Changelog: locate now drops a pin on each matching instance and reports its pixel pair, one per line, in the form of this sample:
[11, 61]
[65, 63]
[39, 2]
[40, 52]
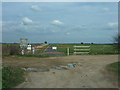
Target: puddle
[36, 69]
[66, 67]
[59, 68]
[43, 69]
[70, 65]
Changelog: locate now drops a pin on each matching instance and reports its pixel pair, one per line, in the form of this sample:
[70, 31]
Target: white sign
[54, 47]
[29, 47]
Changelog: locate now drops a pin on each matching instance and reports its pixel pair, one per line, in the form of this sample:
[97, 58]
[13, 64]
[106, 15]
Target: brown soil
[89, 71]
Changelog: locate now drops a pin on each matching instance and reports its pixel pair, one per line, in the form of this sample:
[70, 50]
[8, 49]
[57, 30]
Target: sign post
[23, 44]
[33, 50]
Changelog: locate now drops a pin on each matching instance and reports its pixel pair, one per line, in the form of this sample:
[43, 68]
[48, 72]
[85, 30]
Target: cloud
[36, 8]
[112, 24]
[57, 22]
[26, 21]
[106, 9]
[67, 33]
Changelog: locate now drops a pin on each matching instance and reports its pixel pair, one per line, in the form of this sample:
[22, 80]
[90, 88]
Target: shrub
[10, 49]
[12, 76]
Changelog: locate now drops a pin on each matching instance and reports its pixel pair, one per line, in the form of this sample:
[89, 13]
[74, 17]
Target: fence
[94, 49]
[81, 49]
[52, 51]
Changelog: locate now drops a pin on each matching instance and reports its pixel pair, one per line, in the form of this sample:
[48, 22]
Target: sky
[60, 22]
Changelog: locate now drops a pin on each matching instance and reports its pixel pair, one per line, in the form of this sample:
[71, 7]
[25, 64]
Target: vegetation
[95, 49]
[12, 76]
[45, 42]
[39, 56]
[117, 44]
[114, 67]
[10, 49]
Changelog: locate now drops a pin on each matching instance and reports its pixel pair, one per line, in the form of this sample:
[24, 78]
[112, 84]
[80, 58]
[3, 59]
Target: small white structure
[54, 48]
[29, 47]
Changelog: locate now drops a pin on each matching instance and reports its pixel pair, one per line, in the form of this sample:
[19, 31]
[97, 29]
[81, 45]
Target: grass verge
[12, 76]
[114, 67]
[39, 56]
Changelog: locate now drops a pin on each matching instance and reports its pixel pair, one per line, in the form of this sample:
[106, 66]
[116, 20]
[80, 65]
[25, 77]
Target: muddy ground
[89, 71]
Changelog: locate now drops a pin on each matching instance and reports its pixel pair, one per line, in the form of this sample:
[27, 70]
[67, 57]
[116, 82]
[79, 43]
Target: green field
[95, 49]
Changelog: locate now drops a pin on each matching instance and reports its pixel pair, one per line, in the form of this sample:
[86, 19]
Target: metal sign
[23, 42]
[29, 47]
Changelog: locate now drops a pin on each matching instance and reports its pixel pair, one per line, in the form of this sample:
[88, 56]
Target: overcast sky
[60, 22]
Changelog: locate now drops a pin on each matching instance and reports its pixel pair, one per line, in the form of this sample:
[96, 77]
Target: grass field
[94, 48]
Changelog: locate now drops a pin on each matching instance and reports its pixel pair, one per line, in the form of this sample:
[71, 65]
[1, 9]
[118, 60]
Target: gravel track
[89, 71]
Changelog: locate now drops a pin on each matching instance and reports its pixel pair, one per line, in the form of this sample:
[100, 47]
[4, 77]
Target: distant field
[94, 48]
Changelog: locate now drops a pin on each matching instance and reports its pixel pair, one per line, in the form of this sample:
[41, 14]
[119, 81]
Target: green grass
[95, 49]
[12, 76]
[114, 67]
[38, 56]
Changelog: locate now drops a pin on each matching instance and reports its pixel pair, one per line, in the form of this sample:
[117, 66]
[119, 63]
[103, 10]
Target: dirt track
[89, 71]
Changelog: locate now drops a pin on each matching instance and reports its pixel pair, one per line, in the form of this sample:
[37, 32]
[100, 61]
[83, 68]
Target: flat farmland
[89, 71]
[95, 49]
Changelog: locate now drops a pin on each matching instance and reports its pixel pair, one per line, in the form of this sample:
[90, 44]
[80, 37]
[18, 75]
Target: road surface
[89, 71]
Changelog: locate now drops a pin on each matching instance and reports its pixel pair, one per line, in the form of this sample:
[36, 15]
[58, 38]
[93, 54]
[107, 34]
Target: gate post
[68, 51]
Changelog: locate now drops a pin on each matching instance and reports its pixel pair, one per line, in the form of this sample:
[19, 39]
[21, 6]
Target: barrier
[81, 49]
[68, 51]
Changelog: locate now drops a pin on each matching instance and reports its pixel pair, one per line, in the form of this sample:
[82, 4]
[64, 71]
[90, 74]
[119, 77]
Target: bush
[14, 50]
[12, 76]
[10, 49]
